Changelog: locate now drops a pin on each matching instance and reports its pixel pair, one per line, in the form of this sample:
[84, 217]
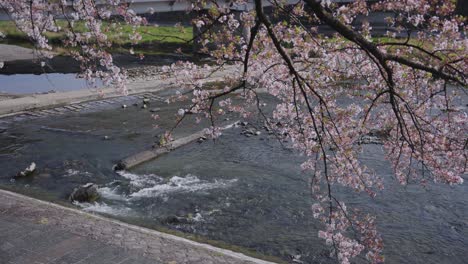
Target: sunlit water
[41, 83]
[244, 191]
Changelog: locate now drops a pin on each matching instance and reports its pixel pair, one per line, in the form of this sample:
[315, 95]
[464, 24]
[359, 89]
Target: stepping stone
[68, 107]
[86, 105]
[76, 106]
[35, 114]
[59, 111]
[74, 109]
[44, 113]
[49, 112]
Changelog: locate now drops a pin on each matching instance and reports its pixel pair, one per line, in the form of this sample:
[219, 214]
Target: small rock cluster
[144, 105]
[144, 73]
[249, 130]
[84, 193]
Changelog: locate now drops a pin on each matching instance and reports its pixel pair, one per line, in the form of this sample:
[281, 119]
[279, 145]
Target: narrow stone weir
[153, 153]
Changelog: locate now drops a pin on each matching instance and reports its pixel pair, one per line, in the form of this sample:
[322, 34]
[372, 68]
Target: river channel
[244, 191]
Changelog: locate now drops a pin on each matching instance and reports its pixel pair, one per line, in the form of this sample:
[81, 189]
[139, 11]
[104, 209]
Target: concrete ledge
[153, 245]
[150, 154]
[43, 101]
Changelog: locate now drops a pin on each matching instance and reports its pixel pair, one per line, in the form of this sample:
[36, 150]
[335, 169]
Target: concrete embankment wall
[55, 232]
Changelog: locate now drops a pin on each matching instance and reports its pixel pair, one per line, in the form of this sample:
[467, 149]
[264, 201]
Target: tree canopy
[403, 85]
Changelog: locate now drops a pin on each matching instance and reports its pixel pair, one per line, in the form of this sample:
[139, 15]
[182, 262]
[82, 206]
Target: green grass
[155, 40]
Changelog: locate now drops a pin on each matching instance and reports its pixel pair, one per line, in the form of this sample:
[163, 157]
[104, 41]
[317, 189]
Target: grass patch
[155, 39]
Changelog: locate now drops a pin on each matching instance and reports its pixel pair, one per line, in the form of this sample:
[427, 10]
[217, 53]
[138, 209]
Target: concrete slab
[43, 232]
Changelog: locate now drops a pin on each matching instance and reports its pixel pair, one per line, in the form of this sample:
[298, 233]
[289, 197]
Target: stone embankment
[34, 231]
[145, 80]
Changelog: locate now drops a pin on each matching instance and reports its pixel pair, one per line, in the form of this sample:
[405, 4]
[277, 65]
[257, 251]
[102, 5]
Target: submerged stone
[27, 172]
[175, 220]
[85, 193]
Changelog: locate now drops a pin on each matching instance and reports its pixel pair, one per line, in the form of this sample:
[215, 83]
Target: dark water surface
[246, 191]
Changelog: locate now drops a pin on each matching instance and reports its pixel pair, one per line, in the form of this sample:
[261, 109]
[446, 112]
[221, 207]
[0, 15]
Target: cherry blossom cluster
[37, 18]
[332, 91]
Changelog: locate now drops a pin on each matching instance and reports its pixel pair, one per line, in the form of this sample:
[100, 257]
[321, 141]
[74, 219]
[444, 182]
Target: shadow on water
[59, 74]
[66, 64]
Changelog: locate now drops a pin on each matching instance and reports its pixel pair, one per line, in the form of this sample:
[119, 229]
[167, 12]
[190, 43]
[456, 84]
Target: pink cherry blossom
[331, 90]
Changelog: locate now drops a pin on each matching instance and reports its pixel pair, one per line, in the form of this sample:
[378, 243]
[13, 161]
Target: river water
[244, 191]
[41, 83]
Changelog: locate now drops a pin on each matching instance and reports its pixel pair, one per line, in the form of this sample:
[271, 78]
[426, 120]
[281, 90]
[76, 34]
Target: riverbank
[155, 39]
[21, 60]
[142, 80]
[33, 230]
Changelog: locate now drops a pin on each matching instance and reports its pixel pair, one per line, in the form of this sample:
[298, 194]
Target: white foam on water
[198, 218]
[141, 181]
[104, 208]
[176, 184]
[112, 194]
[72, 172]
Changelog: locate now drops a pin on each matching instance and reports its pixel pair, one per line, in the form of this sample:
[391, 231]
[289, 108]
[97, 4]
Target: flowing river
[243, 191]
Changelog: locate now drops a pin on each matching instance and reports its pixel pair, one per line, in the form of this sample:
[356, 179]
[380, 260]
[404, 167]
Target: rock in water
[27, 172]
[175, 220]
[85, 193]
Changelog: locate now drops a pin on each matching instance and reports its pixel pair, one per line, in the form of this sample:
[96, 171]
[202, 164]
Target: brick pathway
[37, 232]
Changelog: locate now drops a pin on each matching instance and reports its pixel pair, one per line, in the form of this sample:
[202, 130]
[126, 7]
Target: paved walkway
[38, 232]
[13, 52]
